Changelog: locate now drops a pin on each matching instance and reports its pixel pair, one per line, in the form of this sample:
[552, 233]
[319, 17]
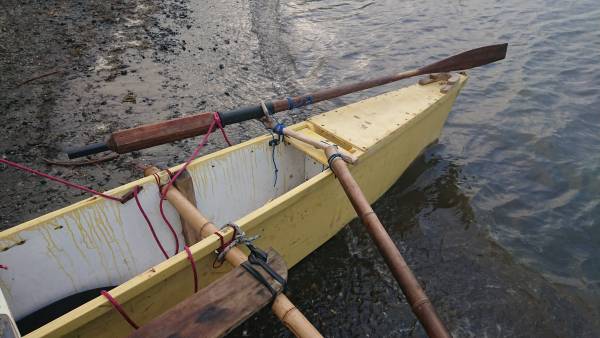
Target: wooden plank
[219, 308]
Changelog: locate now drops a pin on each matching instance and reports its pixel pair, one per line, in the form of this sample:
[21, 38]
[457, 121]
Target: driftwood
[81, 163]
[38, 77]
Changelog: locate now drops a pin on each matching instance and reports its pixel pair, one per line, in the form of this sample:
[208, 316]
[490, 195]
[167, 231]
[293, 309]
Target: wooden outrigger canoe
[99, 243]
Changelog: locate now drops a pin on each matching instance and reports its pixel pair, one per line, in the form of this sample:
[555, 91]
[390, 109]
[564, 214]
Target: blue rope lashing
[278, 129]
[309, 100]
[273, 143]
[304, 101]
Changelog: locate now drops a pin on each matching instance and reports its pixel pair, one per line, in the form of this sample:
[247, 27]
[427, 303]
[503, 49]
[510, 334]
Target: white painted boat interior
[8, 327]
[99, 243]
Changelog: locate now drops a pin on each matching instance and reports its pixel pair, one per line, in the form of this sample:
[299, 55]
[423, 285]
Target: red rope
[217, 119]
[119, 308]
[58, 179]
[222, 241]
[216, 122]
[193, 263]
[222, 247]
[137, 200]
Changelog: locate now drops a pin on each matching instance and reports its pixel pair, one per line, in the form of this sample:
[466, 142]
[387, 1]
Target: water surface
[500, 218]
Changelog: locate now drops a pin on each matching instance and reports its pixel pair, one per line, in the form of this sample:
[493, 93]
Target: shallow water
[498, 219]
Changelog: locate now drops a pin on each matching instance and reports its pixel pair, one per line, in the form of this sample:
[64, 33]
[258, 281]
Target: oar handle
[150, 135]
[88, 150]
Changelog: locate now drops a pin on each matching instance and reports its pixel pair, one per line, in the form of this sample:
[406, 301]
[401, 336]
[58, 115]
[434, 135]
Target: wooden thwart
[219, 308]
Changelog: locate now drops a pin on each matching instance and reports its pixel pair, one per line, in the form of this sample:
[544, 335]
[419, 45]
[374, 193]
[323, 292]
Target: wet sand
[113, 66]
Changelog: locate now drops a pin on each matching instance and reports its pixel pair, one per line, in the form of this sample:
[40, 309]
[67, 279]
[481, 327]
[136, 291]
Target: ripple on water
[523, 137]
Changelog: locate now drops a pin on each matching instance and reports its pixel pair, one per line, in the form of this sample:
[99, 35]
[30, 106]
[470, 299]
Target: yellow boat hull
[386, 132]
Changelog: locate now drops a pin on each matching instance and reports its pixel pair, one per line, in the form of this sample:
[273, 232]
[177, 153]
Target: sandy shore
[72, 72]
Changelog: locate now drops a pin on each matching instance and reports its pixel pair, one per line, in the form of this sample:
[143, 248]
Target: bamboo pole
[420, 304]
[282, 307]
[346, 156]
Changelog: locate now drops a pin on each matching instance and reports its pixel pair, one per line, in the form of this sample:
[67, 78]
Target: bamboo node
[286, 313]
[420, 302]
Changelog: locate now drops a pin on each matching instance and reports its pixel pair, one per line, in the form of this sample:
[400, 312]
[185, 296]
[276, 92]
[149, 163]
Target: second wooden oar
[415, 295]
[154, 134]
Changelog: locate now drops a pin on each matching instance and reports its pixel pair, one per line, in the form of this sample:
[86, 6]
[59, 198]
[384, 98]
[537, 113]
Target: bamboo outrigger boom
[282, 307]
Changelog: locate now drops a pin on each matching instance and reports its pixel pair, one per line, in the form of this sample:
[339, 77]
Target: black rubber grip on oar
[245, 114]
[88, 150]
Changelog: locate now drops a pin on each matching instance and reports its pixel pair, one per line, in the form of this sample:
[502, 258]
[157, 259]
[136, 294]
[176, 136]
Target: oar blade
[469, 59]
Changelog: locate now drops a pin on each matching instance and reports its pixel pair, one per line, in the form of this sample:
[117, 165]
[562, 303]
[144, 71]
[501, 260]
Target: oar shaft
[411, 288]
[331, 93]
[283, 308]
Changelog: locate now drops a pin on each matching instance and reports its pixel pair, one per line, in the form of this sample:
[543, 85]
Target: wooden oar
[415, 295]
[282, 307]
[150, 135]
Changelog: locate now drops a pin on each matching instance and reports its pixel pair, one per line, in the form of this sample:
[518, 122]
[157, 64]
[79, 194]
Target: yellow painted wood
[294, 224]
[365, 123]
